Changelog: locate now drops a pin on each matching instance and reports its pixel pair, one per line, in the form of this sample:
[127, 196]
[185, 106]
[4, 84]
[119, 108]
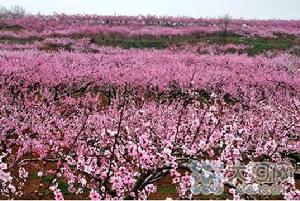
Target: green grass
[144, 42]
[53, 47]
[62, 185]
[16, 40]
[34, 176]
[218, 38]
[47, 178]
[224, 195]
[167, 189]
[204, 96]
[258, 44]
[14, 27]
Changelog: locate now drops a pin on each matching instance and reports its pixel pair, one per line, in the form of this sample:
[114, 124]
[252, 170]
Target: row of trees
[14, 12]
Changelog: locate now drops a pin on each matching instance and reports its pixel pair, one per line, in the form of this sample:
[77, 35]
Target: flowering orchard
[149, 25]
[114, 123]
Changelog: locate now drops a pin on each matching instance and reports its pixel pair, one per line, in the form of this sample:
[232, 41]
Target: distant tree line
[14, 12]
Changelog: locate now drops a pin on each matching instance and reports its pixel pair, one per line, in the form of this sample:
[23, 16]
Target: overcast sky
[248, 9]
